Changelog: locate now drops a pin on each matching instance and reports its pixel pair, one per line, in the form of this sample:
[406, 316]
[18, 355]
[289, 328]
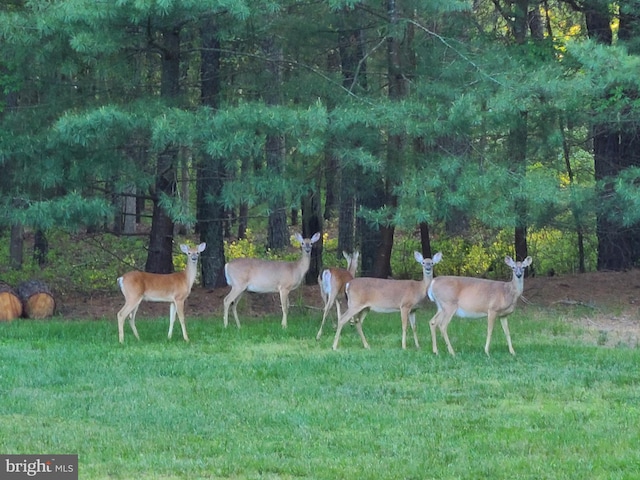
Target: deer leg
[412, 321]
[129, 310]
[327, 307]
[505, 327]
[227, 302]
[231, 300]
[132, 321]
[172, 318]
[491, 318]
[444, 324]
[235, 308]
[403, 316]
[338, 308]
[359, 321]
[341, 322]
[284, 301]
[433, 325]
[183, 326]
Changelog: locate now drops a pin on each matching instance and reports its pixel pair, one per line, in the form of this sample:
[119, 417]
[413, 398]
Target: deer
[266, 276]
[332, 282]
[173, 288]
[387, 295]
[476, 298]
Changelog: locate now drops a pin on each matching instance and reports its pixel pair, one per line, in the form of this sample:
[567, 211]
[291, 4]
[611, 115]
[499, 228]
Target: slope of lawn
[262, 402]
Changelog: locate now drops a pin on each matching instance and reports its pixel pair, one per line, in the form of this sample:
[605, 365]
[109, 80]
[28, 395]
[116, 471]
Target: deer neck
[516, 286]
[427, 277]
[190, 272]
[304, 262]
[353, 266]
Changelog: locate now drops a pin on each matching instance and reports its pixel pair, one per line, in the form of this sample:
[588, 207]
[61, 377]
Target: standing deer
[384, 295]
[266, 276]
[158, 287]
[476, 298]
[332, 282]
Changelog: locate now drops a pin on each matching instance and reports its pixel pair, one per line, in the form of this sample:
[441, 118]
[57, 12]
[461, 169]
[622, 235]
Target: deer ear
[509, 261]
[418, 256]
[316, 237]
[527, 261]
[201, 247]
[299, 238]
[437, 257]
[184, 248]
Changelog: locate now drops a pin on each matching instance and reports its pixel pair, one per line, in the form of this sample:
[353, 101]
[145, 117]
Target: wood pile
[10, 303]
[37, 300]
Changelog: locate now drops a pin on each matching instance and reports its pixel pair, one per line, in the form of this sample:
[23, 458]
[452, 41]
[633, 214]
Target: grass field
[261, 402]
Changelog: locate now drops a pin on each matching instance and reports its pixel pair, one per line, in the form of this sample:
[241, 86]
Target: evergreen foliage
[83, 118]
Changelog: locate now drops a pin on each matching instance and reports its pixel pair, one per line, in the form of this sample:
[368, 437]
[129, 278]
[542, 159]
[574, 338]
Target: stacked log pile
[37, 300]
[10, 303]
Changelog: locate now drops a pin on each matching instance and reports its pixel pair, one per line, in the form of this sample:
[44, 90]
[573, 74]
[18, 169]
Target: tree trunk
[425, 240]
[332, 183]
[614, 150]
[129, 210]
[618, 247]
[517, 141]
[275, 154]
[347, 218]
[566, 149]
[16, 247]
[397, 80]
[331, 162]
[160, 255]
[351, 45]
[518, 155]
[370, 241]
[184, 186]
[312, 223]
[211, 171]
[40, 248]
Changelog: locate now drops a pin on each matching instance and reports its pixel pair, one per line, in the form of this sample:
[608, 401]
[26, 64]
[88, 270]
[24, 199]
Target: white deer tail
[325, 284]
[121, 284]
[430, 292]
[226, 275]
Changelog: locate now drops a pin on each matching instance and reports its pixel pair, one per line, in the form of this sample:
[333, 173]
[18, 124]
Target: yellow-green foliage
[95, 262]
[179, 262]
[241, 248]
[461, 256]
[92, 264]
[248, 248]
[556, 251]
[331, 256]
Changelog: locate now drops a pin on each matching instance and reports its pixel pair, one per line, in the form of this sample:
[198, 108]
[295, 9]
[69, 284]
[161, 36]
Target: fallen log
[37, 300]
[10, 303]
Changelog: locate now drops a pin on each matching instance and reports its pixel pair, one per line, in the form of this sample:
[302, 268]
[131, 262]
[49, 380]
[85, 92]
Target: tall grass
[261, 402]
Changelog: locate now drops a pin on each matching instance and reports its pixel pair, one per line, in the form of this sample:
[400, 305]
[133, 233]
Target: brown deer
[332, 282]
[385, 295]
[158, 287]
[476, 298]
[266, 276]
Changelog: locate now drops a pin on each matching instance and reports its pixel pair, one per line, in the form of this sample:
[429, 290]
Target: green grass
[261, 402]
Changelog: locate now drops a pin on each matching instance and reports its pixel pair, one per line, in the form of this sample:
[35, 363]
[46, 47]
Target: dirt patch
[605, 304]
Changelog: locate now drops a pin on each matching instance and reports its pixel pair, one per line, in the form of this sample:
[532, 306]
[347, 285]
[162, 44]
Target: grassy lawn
[261, 402]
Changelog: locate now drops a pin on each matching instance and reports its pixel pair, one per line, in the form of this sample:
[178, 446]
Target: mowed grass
[261, 402]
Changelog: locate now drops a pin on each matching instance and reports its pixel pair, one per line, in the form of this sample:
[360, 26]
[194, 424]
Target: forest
[477, 123]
